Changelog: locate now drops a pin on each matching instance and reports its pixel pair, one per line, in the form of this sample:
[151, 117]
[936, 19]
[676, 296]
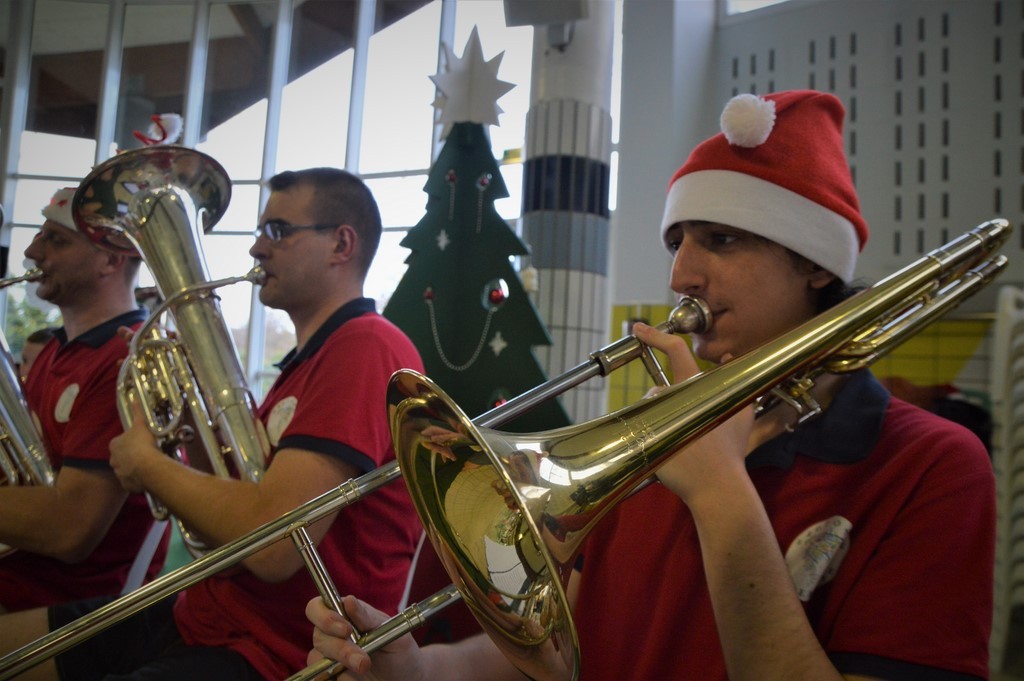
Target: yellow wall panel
[936, 355]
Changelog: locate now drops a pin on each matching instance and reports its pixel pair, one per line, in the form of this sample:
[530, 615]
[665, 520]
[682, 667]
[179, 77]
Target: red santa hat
[59, 208]
[778, 170]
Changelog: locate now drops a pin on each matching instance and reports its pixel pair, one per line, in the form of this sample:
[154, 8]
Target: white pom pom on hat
[59, 208]
[778, 170]
[747, 120]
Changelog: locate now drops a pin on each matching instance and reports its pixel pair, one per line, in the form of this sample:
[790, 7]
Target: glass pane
[228, 256]
[67, 65]
[401, 200]
[47, 154]
[517, 44]
[316, 100]
[387, 269]
[243, 211]
[512, 207]
[237, 75]
[321, 30]
[314, 117]
[237, 143]
[399, 112]
[156, 50]
[280, 338]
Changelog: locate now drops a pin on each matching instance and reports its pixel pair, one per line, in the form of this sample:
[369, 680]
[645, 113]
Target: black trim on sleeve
[327, 447]
[893, 670]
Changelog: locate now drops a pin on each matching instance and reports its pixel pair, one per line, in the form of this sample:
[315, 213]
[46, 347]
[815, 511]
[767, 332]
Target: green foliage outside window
[22, 319]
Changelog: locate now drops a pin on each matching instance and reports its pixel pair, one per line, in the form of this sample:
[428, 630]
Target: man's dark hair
[833, 293]
[339, 197]
[836, 292]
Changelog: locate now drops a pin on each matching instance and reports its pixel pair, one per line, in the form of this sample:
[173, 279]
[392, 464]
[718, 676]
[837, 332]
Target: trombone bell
[478, 503]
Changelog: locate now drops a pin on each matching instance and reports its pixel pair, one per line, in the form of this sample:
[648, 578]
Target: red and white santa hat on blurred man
[778, 170]
[59, 208]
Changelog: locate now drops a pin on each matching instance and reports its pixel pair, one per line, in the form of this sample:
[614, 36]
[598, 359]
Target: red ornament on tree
[495, 293]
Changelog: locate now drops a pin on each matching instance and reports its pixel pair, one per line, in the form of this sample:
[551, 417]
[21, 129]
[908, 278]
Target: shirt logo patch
[280, 417]
[62, 412]
[815, 555]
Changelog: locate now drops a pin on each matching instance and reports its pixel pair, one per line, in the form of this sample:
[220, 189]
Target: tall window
[94, 79]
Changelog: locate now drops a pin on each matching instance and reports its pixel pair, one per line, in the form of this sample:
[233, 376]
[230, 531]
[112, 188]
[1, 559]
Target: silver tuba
[190, 384]
[23, 457]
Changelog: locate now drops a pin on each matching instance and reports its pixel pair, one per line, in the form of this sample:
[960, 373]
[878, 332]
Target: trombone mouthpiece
[691, 315]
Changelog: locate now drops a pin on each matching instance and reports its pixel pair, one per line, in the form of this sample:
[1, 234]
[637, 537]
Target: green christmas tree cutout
[461, 301]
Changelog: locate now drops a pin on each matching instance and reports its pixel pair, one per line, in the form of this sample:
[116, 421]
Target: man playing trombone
[326, 422]
[857, 544]
[78, 538]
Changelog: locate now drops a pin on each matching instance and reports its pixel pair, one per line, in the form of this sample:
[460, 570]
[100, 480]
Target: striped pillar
[565, 197]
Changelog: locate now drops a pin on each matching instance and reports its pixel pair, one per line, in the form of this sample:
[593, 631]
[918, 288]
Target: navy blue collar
[350, 310]
[845, 433]
[98, 335]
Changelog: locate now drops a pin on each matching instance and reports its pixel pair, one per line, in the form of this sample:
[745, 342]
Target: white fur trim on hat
[59, 208]
[783, 216]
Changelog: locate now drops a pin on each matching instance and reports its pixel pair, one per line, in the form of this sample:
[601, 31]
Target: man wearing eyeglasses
[326, 420]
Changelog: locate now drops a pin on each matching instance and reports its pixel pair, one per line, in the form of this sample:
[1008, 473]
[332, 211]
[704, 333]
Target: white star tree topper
[469, 86]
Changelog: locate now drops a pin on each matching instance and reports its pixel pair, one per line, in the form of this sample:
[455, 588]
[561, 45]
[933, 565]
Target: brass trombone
[580, 471]
[563, 481]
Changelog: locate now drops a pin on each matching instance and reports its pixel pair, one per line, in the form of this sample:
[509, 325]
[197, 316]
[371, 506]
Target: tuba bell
[153, 201]
[23, 457]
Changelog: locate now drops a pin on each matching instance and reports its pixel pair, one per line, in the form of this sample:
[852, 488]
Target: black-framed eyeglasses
[275, 230]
